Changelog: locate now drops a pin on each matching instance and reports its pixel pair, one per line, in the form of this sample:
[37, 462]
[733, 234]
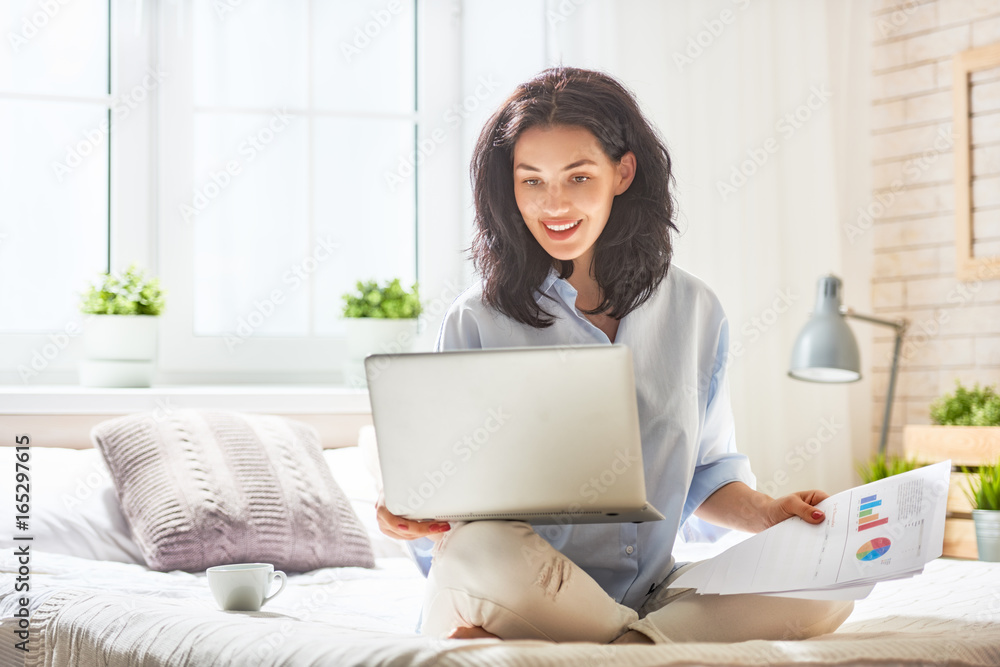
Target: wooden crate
[966, 446]
[958, 502]
[960, 538]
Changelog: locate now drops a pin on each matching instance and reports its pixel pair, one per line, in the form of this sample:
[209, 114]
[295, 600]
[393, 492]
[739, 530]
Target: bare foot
[475, 632]
[633, 637]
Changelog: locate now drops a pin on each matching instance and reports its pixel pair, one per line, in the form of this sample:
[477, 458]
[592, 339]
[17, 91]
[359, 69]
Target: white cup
[243, 586]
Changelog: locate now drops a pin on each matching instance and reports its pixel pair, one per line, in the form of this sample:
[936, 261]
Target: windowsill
[275, 399]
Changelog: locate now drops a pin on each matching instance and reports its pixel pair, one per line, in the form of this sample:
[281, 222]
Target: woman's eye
[581, 179]
[531, 181]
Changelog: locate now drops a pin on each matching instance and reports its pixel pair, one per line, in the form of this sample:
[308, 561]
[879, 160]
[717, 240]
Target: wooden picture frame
[967, 267]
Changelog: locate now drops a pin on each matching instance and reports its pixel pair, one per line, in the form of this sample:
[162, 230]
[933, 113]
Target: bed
[94, 602]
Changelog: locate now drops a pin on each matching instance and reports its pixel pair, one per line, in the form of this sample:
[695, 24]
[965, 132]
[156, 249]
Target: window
[54, 138]
[258, 157]
[292, 171]
[75, 157]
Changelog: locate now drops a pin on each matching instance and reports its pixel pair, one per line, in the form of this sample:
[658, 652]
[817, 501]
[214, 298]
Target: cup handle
[280, 575]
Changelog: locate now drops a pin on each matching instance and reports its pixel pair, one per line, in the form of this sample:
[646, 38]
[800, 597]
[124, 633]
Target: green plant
[975, 407]
[881, 466]
[984, 490]
[128, 293]
[391, 301]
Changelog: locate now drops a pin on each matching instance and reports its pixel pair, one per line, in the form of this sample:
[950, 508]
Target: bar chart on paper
[886, 529]
[868, 516]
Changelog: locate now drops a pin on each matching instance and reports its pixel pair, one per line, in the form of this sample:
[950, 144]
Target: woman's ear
[626, 172]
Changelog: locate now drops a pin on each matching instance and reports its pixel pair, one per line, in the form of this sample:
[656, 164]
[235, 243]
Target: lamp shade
[825, 350]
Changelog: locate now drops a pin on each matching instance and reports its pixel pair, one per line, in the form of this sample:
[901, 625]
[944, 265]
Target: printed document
[888, 529]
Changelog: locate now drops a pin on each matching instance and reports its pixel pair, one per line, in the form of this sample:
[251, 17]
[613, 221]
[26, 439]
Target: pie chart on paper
[874, 549]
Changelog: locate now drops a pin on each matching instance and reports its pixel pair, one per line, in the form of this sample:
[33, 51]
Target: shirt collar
[561, 287]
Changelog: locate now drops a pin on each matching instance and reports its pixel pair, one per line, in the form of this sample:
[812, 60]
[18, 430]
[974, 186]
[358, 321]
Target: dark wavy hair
[632, 254]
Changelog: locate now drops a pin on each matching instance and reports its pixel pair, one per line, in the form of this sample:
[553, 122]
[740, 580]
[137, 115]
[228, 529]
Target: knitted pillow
[209, 488]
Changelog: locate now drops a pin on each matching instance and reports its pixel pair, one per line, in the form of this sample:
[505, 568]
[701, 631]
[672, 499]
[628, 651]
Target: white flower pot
[373, 335]
[988, 534]
[119, 351]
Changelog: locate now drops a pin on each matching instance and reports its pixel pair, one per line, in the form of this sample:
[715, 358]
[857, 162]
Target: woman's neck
[588, 291]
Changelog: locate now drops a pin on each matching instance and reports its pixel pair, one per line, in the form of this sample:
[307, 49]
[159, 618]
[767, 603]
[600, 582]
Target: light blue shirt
[679, 340]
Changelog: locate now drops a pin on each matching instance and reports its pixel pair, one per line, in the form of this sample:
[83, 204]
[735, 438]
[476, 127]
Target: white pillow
[352, 473]
[73, 507]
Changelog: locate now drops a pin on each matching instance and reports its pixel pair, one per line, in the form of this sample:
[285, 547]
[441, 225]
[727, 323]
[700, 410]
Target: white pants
[503, 577]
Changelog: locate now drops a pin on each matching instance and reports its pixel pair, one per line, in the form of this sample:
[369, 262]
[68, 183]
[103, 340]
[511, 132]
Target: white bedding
[92, 613]
[113, 611]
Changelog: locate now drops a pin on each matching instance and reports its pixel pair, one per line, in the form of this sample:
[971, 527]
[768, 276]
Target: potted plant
[966, 429]
[378, 319]
[983, 492]
[881, 466]
[120, 335]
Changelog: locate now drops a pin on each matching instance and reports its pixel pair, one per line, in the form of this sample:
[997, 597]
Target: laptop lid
[542, 434]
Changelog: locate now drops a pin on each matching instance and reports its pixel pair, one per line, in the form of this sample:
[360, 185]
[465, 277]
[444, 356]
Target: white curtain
[764, 106]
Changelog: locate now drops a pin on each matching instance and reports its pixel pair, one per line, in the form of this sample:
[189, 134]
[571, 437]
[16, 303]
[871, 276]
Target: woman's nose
[554, 201]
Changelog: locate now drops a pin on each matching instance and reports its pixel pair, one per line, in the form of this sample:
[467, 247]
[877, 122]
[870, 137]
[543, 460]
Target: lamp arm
[900, 327]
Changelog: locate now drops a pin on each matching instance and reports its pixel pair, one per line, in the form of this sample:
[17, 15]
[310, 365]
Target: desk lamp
[826, 351]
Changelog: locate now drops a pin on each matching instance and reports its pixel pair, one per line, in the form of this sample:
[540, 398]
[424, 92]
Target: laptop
[539, 434]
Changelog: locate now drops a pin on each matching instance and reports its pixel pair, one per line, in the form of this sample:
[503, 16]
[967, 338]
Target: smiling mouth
[562, 227]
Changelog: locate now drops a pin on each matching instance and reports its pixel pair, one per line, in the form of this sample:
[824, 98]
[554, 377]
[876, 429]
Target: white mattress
[93, 613]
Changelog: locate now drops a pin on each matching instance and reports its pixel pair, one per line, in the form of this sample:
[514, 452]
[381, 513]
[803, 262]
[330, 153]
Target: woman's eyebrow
[576, 164]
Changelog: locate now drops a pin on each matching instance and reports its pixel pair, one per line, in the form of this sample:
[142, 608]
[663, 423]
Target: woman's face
[564, 185]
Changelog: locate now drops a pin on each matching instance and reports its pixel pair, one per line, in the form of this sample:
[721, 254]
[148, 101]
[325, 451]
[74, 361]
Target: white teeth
[559, 228]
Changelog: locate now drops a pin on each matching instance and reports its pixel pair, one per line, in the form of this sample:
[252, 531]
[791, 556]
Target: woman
[574, 214]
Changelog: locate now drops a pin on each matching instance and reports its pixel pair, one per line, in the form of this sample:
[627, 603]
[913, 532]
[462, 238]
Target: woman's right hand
[407, 529]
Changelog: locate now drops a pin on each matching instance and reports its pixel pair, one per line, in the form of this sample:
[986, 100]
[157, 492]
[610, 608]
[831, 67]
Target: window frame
[53, 356]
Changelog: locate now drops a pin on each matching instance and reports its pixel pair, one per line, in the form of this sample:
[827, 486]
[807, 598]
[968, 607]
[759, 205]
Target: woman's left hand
[736, 505]
[801, 504]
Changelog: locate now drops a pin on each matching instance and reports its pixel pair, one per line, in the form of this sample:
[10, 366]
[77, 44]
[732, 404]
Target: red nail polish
[402, 526]
[817, 514]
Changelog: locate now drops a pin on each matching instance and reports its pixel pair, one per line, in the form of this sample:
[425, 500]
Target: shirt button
[629, 549]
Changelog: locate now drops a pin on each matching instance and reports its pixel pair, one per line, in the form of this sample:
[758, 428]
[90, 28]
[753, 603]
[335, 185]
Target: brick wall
[954, 326]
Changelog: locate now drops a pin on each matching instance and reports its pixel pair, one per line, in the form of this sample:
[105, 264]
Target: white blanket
[94, 613]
